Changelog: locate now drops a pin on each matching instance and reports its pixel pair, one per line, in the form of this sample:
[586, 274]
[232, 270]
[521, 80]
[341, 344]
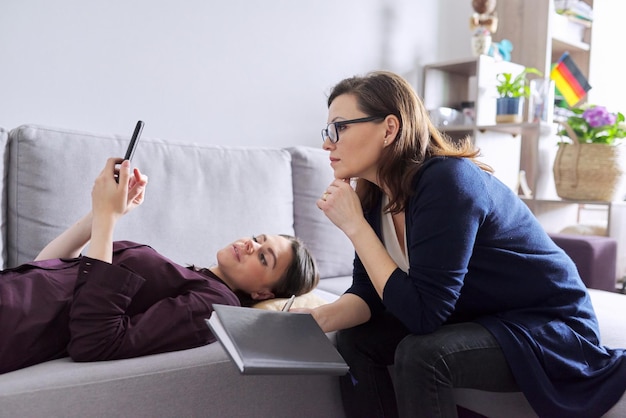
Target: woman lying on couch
[123, 299]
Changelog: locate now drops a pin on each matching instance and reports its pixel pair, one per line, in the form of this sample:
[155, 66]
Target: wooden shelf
[540, 37]
[560, 45]
[456, 128]
[506, 128]
[461, 67]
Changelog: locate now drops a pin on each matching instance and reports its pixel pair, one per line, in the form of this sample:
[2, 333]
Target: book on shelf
[274, 342]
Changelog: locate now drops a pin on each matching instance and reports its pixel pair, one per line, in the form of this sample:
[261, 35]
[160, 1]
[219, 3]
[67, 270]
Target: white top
[390, 240]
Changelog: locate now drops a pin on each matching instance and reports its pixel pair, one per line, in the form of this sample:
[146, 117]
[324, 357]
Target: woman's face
[360, 145]
[254, 265]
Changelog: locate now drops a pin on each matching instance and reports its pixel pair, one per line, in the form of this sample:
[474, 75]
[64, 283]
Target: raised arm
[72, 241]
[110, 200]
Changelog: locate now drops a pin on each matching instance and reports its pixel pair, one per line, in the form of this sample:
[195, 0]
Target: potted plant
[591, 165]
[512, 91]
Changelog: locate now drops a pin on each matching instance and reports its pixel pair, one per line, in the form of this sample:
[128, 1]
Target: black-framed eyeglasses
[332, 129]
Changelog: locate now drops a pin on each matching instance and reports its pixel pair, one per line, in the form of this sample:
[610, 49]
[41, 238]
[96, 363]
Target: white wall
[606, 73]
[237, 72]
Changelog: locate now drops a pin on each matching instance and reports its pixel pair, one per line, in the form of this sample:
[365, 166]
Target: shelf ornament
[483, 23]
[484, 16]
[569, 80]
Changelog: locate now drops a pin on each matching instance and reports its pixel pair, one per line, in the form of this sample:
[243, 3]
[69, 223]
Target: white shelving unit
[448, 84]
[540, 37]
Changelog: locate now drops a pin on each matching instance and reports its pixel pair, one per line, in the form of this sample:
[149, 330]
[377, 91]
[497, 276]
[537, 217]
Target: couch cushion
[311, 176]
[190, 383]
[336, 285]
[218, 193]
[610, 308]
[4, 166]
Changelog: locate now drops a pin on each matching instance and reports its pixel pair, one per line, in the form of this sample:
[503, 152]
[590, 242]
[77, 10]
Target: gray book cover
[274, 342]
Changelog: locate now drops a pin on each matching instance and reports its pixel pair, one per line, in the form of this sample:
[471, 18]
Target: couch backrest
[4, 166]
[311, 176]
[199, 198]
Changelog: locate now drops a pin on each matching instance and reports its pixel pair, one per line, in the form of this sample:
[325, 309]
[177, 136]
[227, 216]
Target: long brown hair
[385, 93]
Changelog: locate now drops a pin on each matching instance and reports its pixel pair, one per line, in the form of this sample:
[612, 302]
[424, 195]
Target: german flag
[569, 80]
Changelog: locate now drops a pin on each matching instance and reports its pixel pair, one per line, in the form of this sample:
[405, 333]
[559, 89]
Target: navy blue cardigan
[477, 253]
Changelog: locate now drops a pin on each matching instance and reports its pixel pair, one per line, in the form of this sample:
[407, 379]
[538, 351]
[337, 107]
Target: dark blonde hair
[383, 93]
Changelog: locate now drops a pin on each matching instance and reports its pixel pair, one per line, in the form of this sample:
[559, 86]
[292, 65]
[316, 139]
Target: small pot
[509, 109]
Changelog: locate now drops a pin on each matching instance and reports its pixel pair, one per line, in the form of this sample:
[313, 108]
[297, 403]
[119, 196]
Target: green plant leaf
[607, 134]
[508, 86]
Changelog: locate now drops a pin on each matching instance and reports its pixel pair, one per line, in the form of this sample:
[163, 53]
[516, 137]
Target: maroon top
[142, 303]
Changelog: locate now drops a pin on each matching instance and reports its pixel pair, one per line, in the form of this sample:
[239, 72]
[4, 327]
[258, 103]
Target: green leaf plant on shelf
[512, 91]
[509, 86]
[593, 164]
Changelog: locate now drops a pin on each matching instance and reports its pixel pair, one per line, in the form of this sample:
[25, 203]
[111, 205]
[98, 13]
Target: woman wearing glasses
[454, 279]
[123, 299]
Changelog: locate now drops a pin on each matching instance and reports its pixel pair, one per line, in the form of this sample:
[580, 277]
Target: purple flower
[598, 116]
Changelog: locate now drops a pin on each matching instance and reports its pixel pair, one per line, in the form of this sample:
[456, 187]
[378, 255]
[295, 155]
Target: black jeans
[426, 369]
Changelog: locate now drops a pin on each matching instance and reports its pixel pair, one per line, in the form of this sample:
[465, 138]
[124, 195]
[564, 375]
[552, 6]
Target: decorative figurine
[483, 23]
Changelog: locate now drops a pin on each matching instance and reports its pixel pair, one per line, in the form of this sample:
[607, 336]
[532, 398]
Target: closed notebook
[274, 342]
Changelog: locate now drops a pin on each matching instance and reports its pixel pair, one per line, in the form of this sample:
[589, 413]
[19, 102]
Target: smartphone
[130, 151]
[133, 141]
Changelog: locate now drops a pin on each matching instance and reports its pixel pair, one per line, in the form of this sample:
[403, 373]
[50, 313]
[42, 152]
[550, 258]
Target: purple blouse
[142, 303]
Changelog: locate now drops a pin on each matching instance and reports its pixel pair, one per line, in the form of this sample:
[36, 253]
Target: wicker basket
[589, 171]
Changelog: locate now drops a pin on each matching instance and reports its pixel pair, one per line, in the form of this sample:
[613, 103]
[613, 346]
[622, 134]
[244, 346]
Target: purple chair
[595, 257]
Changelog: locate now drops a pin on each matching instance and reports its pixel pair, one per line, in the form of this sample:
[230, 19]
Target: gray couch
[199, 198]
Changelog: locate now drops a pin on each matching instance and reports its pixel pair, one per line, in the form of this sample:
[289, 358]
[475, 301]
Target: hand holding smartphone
[130, 151]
